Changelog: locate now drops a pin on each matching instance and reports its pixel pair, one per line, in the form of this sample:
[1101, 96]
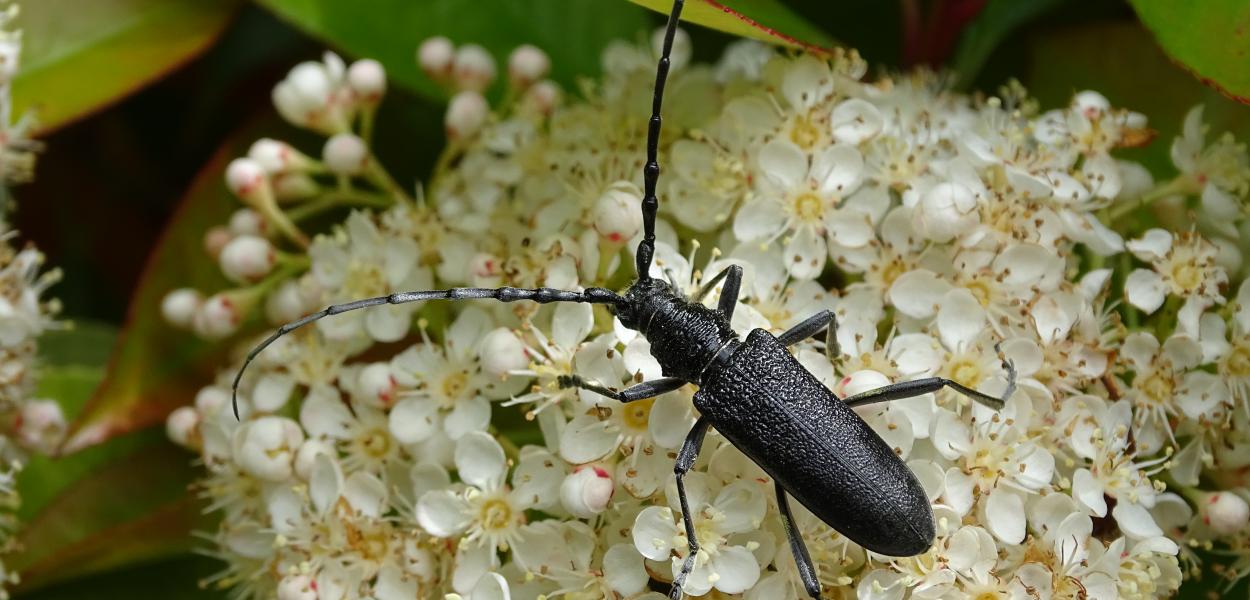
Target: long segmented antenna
[503, 294]
[651, 171]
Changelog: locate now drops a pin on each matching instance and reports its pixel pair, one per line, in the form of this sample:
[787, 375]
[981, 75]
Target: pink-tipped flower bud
[247, 179]
[345, 154]
[503, 352]
[436, 55]
[247, 258]
[679, 57]
[540, 98]
[40, 426]
[246, 221]
[616, 215]
[215, 239]
[485, 269]
[376, 386]
[297, 587]
[465, 115]
[587, 491]
[179, 306]
[526, 65]
[473, 68]
[218, 317]
[276, 156]
[1225, 512]
[1091, 104]
[367, 79]
[309, 96]
[182, 426]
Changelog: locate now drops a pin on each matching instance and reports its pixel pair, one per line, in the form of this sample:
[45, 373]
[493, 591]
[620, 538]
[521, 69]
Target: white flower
[1184, 266]
[313, 95]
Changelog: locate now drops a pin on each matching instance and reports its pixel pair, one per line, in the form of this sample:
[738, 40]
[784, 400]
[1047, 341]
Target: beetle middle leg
[917, 387]
[809, 327]
[642, 391]
[807, 571]
[685, 460]
[728, 294]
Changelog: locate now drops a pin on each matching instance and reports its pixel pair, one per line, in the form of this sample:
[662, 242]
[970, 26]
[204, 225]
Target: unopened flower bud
[276, 156]
[210, 399]
[40, 426]
[946, 211]
[1225, 512]
[376, 385]
[679, 57]
[272, 392]
[265, 448]
[436, 55]
[502, 351]
[297, 587]
[215, 239]
[218, 316]
[484, 269]
[178, 307]
[587, 491]
[247, 179]
[345, 154]
[294, 186]
[367, 79]
[616, 215]
[247, 258]
[466, 113]
[307, 455]
[540, 98]
[246, 221]
[182, 427]
[286, 303]
[307, 97]
[1091, 104]
[473, 68]
[527, 64]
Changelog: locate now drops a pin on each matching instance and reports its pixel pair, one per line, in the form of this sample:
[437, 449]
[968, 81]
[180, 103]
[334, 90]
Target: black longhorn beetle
[753, 392]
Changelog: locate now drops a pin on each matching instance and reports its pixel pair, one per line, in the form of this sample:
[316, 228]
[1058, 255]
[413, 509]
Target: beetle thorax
[685, 337]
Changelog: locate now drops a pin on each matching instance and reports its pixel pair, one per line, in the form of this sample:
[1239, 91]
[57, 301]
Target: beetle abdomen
[828, 458]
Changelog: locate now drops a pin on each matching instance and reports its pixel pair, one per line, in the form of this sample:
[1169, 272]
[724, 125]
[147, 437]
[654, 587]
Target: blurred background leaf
[1211, 38]
[79, 56]
[764, 20]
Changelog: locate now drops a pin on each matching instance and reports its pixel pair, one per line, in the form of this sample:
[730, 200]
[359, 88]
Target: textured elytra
[825, 455]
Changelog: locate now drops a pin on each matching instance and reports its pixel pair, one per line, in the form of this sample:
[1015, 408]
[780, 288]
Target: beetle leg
[685, 460]
[821, 321]
[911, 389]
[728, 294]
[642, 391]
[807, 572]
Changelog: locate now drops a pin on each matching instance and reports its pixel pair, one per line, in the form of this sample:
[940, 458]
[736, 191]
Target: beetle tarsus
[802, 560]
[685, 460]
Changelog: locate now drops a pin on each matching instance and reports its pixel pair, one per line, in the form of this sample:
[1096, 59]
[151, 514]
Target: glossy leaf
[154, 367]
[572, 32]
[984, 33]
[80, 56]
[1210, 38]
[764, 20]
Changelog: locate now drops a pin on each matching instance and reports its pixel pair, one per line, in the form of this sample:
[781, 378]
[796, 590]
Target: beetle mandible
[752, 391]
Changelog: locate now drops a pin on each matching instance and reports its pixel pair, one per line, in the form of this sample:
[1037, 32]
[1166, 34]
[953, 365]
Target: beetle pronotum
[752, 391]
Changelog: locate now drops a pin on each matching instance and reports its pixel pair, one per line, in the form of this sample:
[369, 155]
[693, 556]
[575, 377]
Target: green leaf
[572, 32]
[1210, 38]
[81, 343]
[984, 33]
[154, 367]
[764, 20]
[174, 579]
[132, 509]
[79, 56]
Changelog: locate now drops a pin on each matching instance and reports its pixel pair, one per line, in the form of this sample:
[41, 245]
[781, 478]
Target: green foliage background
[143, 101]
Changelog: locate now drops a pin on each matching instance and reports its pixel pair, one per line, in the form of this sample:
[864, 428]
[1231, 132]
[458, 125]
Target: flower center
[809, 207]
[495, 515]
[966, 372]
[1238, 362]
[635, 415]
[804, 133]
[454, 384]
[1156, 388]
[376, 443]
[891, 271]
[364, 280]
[1186, 275]
[980, 290]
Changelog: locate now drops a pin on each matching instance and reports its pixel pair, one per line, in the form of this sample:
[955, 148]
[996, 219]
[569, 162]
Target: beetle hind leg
[642, 391]
[807, 571]
[685, 460]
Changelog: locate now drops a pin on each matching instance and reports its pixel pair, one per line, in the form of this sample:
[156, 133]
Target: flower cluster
[27, 424]
[422, 450]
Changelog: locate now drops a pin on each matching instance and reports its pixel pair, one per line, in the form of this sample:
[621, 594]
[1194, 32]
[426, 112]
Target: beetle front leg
[807, 571]
[728, 294]
[809, 327]
[685, 460]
